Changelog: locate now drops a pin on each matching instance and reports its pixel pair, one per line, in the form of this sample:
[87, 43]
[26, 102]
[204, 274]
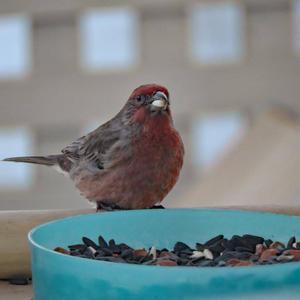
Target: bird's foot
[107, 206]
[157, 207]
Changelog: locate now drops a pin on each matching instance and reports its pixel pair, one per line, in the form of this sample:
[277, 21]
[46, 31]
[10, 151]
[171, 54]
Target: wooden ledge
[14, 227]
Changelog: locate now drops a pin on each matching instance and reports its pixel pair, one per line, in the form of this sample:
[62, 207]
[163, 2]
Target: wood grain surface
[14, 228]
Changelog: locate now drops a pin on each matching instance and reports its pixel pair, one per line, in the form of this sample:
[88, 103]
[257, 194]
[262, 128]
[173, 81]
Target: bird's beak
[159, 101]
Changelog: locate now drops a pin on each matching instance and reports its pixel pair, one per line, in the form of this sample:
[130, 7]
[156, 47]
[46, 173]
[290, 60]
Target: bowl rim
[290, 265]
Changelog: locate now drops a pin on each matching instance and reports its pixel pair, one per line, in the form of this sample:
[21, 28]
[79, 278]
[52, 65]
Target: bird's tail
[50, 160]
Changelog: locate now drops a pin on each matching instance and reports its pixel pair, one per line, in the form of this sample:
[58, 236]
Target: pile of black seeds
[246, 250]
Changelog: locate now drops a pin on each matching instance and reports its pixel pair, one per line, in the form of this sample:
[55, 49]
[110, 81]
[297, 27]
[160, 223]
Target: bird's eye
[140, 99]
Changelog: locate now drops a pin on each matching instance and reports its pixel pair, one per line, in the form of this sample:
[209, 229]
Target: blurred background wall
[232, 68]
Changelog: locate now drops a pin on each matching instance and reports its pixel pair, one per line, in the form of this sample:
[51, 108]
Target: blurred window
[15, 142]
[217, 32]
[14, 46]
[297, 24]
[215, 135]
[109, 38]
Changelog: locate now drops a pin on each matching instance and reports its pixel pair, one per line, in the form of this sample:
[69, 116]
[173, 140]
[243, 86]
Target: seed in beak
[159, 103]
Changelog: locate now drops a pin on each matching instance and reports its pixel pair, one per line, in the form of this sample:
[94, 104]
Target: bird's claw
[157, 207]
[111, 206]
[107, 206]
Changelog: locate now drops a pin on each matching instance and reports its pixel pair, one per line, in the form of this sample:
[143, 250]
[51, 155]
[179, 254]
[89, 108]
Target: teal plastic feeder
[61, 277]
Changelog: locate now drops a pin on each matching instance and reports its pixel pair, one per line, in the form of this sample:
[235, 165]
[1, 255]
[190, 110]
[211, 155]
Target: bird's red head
[149, 101]
[149, 90]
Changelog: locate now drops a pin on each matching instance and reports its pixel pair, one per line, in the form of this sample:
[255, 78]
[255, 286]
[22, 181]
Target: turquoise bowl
[61, 277]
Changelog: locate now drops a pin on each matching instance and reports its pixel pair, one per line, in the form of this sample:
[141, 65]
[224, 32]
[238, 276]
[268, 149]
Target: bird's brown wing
[94, 146]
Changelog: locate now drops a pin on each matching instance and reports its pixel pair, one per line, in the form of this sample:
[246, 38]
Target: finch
[129, 162]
